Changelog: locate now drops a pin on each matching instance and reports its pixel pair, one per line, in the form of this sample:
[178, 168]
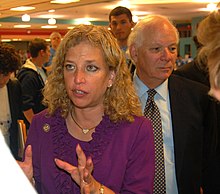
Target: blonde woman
[92, 138]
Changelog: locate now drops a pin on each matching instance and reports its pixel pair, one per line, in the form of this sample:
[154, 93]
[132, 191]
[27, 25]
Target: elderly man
[182, 108]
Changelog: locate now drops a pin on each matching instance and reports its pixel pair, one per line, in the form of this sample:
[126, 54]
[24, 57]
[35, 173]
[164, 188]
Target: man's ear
[133, 52]
[132, 24]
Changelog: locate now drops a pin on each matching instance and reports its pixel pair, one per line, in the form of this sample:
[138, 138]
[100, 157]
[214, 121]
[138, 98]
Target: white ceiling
[97, 10]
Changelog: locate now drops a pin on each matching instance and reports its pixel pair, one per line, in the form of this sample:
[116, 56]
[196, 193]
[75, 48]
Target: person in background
[121, 24]
[32, 77]
[10, 97]
[196, 69]
[214, 72]
[93, 128]
[188, 116]
[208, 34]
[55, 39]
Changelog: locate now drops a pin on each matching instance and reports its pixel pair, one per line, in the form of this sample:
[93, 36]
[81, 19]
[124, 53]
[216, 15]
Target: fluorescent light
[16, 39]
[48, 26]
[6, 40]
[64, 1]
[85, 21]
[70, 27]
[22, 26]
[22, 8]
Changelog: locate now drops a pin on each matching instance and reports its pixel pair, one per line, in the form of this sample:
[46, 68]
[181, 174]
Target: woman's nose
[79, 77]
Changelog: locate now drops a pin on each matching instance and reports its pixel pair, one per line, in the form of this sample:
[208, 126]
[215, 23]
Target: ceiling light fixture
[22, 8]
[211, 7]
[52, 21]
[135, 18]
[25, 18]
[48, 26]
[22, 26]
[64, 1]
[51, 10]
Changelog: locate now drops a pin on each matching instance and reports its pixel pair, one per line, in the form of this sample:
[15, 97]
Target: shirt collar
[141, 88]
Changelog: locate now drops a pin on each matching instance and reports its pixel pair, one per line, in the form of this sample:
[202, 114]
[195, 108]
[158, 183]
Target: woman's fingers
[81, 157]
[27, 166]
[89, 165]
[72, 170]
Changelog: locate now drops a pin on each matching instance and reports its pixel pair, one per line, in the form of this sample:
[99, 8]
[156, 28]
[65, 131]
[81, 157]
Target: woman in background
[208, 34]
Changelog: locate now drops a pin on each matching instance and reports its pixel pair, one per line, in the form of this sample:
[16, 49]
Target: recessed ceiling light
[22, 8]
[22, 26]
[64, 1]
[25, 18]
[52, 21]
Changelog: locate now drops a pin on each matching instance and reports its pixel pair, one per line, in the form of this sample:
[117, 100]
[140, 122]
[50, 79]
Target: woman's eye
[69, 67]
[91, 68]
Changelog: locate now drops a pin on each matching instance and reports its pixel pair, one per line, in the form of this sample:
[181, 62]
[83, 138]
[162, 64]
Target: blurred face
[4, 79]
[55, 41]
[121, 26]
[86, 76]
[155, 59]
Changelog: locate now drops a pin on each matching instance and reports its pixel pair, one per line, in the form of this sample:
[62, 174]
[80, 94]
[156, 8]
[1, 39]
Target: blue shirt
[162, 100]
[52, 54]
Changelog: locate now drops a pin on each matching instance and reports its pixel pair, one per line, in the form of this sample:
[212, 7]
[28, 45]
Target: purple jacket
[122, 153]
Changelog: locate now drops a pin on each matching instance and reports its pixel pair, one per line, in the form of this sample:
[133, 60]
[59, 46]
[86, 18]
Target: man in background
[55, 39]
[32, 77]
[187, 116]
[121, 24]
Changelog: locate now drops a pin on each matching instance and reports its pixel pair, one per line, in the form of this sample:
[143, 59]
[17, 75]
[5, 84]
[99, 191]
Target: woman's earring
[110, 85]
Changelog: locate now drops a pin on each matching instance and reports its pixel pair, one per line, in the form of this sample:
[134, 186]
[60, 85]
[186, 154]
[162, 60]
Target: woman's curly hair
[208, 34]
[121, 101]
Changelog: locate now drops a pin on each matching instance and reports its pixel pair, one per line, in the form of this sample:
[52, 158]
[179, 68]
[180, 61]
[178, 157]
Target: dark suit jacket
[15, 103]
[194, 72]
[193, 121]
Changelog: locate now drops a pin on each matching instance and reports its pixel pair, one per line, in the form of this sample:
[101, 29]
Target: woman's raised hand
[82, 174]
